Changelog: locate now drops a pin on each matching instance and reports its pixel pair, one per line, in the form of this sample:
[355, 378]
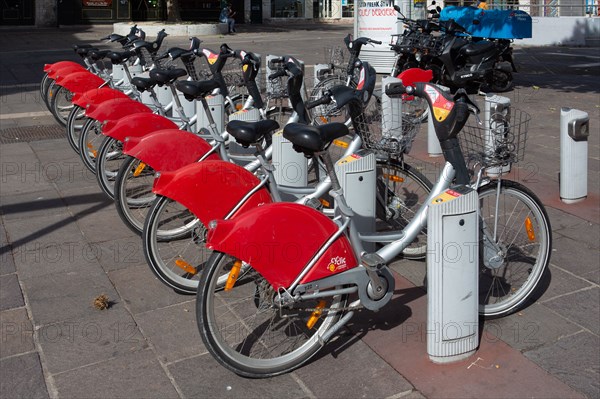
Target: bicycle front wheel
[90, 139]
[247, 332]
[75, 123]
[133, 192]
[517, 241]
[60, 104]
[323, 114]
[401, 190]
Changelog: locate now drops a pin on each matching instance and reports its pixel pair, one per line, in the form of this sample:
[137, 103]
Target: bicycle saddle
[248, 133]
[193, 89]
[143, 84]
[84, 51]
[311, 139]
[163, 76]
[117, 58]
[97, 55]
[81, 46]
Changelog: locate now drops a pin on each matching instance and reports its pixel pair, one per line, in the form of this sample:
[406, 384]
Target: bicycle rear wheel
[517, 241]
[247, 332]
[60, 104]
[174, 245]
[133, 192]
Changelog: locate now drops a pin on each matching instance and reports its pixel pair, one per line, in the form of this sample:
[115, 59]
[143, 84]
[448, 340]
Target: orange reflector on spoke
[325, 203]
[139, 169]
[394, 178]
[323, 119]
[234, 273]
[529, 229]
[340, 143]
[90, 146]
[185, 266]
[316, 314]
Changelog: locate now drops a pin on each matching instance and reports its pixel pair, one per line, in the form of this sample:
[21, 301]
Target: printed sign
[97, 3]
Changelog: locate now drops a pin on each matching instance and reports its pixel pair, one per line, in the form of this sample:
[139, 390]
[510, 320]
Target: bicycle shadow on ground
[390, 316]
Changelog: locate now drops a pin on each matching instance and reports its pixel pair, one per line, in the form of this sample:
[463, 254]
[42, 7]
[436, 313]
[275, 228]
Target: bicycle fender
[279, 239]
[211, 189]
[64, 70]
[168, 150]
[79, 82]
[136, 125]
[116, 109]
[60, 64]
[96, 96]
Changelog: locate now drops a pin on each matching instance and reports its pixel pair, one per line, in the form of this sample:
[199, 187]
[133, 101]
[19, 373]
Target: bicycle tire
[74, 128]
[90, 140]
[44, 84]
[133, 193]
[267, 340]
[401, 190]
[108, 163]
[60, 104]
[524, 236]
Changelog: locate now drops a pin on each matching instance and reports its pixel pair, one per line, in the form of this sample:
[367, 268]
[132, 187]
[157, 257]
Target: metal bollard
[574, 132]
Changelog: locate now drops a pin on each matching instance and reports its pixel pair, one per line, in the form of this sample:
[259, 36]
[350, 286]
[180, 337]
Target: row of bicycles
[256, 217]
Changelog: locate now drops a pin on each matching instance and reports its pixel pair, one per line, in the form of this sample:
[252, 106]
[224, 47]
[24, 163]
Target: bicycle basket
[277, 87]
[499, 141]
[391, 131]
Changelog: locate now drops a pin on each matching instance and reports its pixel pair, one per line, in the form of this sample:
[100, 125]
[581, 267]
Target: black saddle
[99, 54]
[143, 84]
[248, 133]
[194, 89]
[85, 51]
[117, 58]
[311, 139]
[164, 76]
[477, 48]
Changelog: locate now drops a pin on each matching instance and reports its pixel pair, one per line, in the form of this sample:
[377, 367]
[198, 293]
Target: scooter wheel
[501, 81]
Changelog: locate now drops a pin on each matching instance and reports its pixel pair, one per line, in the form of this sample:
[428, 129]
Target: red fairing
[96, 96]
[136, 125]
[279, 239]
[211, 189]
[79, 82]
[116, 109]
[59, 64]
[413, 75]
[168, 150]
[64, 70]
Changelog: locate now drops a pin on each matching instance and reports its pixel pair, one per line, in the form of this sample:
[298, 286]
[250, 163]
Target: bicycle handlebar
[326, 99]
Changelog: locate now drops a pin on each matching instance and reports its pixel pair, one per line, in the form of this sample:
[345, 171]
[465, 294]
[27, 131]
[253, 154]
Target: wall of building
[565, 31]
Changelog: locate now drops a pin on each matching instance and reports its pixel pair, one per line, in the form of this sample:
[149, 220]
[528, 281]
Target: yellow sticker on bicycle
[278, 133]
[446, 196]
[348, 159]
[440, 114]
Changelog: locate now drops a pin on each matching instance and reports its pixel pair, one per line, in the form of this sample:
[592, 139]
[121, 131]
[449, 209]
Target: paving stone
[21, 175]
[85, 200]
[100, 335]
[16, 332]
[104, 225]
[215, 381]
[529, 328]
[119, 254]
[141, 291]
[574, 360]
[28, 234]
[592, 276]
[576, 228]
[350, 359]
[31, 205]
[7, 262]
[21, 377]
[173, 331]
[560, 282]
[563, 248]
[59, 297]
[414, 271]
[16, 150]
[138, 375]
[10, 292]
[580, 307]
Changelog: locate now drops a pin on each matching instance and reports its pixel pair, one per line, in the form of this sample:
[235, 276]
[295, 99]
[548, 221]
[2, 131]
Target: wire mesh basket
[277, 87]
[391, 130]
[498, 141]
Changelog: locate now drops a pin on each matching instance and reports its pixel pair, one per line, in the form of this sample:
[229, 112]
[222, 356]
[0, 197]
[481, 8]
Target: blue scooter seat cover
[493, 24]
